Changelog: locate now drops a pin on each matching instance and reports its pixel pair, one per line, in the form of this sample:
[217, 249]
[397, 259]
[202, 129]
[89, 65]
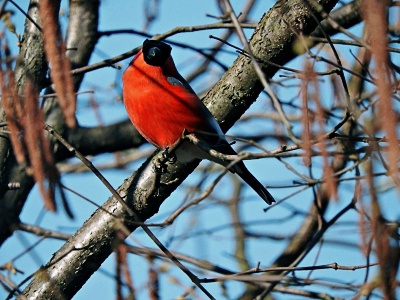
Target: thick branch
[82, 33]
[146, 189]
[347, 16]
[96, 140]
[32, 64]
[272, 41]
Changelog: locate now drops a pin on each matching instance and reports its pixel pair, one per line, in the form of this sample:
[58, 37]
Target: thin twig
[260, 73]
[131, 212]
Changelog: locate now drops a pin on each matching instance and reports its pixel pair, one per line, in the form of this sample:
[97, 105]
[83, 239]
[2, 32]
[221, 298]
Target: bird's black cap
[155, 53]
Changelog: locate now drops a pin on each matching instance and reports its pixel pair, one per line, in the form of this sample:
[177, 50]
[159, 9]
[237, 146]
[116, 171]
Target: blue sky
[217, 245]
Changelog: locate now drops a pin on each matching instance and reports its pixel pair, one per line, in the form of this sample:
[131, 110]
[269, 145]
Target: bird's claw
[165, 153]
[161, 165]
[169, 157]
[172, 158]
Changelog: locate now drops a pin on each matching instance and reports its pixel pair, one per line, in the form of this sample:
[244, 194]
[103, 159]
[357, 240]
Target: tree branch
[32, 64]
[146, 189]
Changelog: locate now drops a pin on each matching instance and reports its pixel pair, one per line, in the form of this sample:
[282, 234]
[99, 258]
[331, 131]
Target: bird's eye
[154, 56]
[155, 53]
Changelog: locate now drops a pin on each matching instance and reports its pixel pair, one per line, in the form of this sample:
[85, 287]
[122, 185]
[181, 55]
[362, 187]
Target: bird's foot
[169, 156]
[160, 166]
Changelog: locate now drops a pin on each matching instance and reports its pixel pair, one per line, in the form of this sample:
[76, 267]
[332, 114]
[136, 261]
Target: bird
[162, 105]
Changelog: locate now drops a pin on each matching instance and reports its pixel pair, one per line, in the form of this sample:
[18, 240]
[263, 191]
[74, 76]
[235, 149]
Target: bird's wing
[211, 132]
[178, 80]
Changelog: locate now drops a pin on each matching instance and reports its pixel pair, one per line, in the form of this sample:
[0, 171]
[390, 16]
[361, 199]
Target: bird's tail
[245, 174]
[239, 167]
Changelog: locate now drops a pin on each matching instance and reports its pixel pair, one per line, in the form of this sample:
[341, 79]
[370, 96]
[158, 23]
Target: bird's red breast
[159, 109]
[161, 104]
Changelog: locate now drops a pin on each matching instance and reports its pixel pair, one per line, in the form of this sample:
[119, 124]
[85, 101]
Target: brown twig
[56, 55]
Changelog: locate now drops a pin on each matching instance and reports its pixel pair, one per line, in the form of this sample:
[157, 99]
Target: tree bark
[146, 189]
[32, 64]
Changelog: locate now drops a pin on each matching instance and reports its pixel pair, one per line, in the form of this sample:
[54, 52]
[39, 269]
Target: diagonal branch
[146, 189]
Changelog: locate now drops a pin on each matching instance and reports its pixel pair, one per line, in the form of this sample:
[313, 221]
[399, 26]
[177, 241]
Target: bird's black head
[155, 53]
